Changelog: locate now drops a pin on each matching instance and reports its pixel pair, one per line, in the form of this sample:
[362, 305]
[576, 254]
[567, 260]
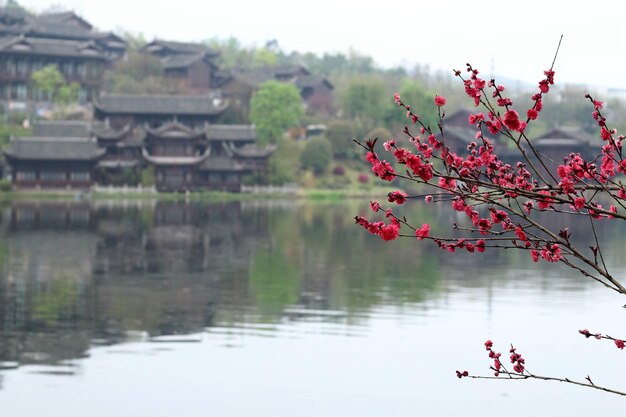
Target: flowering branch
[507, 204]
[520, 372]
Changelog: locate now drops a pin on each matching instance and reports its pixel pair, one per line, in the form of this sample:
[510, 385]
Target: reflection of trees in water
[77, 272]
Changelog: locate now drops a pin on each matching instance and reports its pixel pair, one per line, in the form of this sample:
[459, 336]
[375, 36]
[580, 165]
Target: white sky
[518, 38]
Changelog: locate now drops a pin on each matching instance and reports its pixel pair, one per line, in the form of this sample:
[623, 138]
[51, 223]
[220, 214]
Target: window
[22, 91]
[53, 176]
[22, 66]
[11, 66]
[80, 176]
[67, 68]
[82, 95]
[25, 176]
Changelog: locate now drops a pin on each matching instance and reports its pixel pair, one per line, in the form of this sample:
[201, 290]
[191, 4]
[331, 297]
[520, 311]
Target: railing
[109, 189]
[270, 189]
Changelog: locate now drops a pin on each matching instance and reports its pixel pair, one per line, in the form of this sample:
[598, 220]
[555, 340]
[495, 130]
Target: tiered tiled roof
[61, 128]
[173, 105]
[53, 149]
[51, 47]
[161, 47]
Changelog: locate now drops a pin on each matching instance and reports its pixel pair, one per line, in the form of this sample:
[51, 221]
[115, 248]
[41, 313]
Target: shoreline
[121, 194]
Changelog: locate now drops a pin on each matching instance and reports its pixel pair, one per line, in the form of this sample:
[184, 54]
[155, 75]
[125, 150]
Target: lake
[285, 308]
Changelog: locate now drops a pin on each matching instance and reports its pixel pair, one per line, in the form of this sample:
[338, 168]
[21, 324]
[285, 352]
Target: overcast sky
[517, 39]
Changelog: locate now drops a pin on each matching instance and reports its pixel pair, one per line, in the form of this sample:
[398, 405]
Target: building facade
[177, 138]
[31, 42]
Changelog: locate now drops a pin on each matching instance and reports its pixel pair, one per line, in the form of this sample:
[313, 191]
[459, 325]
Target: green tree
[340, 134]
[53, 85]
[415, 94]
[316, 155]
[274, 108]
[364, 101]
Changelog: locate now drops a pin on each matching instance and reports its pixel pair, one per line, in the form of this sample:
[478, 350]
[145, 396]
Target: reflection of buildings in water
[44, 289]
[51, 216]
[77, 272]
[165, 275]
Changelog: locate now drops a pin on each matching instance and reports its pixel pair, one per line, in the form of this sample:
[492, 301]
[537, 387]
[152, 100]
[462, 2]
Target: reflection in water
[77, 275]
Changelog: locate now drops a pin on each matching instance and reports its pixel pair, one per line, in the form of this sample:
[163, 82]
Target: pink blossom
[389, 232]
[535, 255]
[397, 196]
[579, 203]
[552, 253]
[422, 232]
[391, 143]
[511, 120]
[440, 101]
[619, 343]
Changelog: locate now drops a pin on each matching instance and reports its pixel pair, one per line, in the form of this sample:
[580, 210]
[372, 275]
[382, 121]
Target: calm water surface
[283, 309]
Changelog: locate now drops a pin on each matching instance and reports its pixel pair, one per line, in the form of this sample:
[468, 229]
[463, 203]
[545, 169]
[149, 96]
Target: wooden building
[214, 157]
[190, 62]
[155, 110]
[53, 162]
[238, 86]
[31, 42]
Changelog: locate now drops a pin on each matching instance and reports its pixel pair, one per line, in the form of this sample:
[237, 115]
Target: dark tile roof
[105, 131]
[462, 134]
[312, 81]
[289, 70]
[564, 136]
[173, 47]
[174, 130]
[297, 75]
[67, 18]
[230, 132]
[53, 148]
[61, 128]
[51, 47]
[160, 104]
[459, 118]
[55, 29]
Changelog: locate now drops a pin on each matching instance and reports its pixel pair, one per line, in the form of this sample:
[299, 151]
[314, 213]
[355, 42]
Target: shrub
[316, 155]
[339, 170]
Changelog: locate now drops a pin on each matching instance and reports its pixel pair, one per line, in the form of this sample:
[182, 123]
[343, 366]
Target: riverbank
[260, 193]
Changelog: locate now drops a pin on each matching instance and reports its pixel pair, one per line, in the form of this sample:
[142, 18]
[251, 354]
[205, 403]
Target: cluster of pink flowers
[480, 178]
[516, 359]
[497, 365]
[381, 169]
[387, 231]
[398, 197]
